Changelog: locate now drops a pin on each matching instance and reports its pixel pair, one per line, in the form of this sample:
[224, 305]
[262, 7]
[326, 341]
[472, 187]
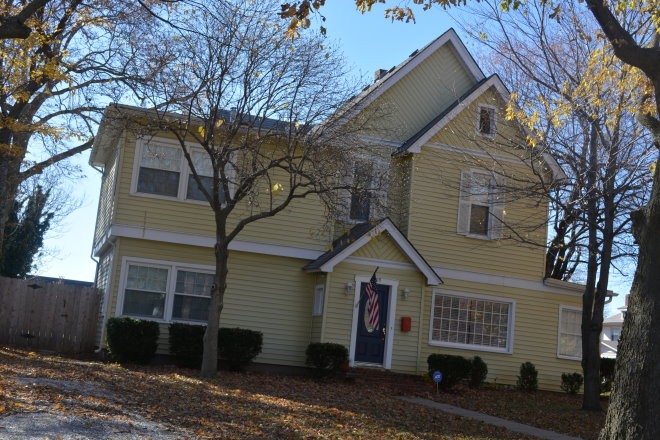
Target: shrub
[187, 344]
[478, 372]
[132, 340]
[606, 373]
[239, 346]
[571, 382]
[326, 357]
[453, 368]
[528, 379]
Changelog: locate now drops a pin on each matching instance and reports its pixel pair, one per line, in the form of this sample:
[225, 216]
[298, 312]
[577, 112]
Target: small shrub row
[606, 373]
[236, 346]
[528, 379]
[136, 340]
[571, 382]
[456, 369]
[326, 358]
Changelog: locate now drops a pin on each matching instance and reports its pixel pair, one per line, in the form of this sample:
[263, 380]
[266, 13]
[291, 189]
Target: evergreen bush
[528, 379]
[453, 368]
[187, 344]
[326, 357]
[132, 340]
[478, 372]
[239, 346]
[571, 382]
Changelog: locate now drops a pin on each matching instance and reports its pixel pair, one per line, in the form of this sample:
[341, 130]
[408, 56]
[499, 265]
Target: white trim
[493, 81]
[312, 254]
[432, 277]
[563, 307]
[380, 142]
[318, 300]
[372, 262]
[209, 242]
[379, 87]
[391, 314]
[501, 280]
[510, 329]
[172, 267]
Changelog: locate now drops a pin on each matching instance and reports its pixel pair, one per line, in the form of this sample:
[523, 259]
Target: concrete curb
[508, 424]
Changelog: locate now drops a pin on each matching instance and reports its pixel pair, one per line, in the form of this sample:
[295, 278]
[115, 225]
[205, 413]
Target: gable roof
[380, 86]
[415, 143]
[360, 235]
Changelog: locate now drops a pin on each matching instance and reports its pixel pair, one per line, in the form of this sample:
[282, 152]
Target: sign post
[437, 378]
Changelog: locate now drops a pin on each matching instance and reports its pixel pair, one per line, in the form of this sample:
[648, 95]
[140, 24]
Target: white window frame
[318, 300]
[510, 328]
[496, 202]
[493, 121]
[184, 170]
[378, 164]
[172, 267]
[560, 321]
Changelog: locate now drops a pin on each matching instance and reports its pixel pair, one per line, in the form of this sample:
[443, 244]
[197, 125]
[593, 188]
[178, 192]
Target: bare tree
[56, 81]
[256, 107]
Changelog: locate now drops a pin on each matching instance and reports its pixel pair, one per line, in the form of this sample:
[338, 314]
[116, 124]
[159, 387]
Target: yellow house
[458, 270]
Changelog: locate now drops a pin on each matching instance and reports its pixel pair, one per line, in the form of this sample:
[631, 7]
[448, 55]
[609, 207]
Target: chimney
[379, 73]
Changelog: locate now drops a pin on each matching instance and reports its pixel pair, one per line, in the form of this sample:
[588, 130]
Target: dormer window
[486, 124]
[481, 205]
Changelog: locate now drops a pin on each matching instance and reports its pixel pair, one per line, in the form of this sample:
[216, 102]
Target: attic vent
[379, 73]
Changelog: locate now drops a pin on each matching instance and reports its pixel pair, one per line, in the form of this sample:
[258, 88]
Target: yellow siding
[535, 333]
[102, 282]
[339, 311]
[382, 247]
[300, 225]
[421, 95]
[269, 294]
[434, 214]
[105, 211]
[398, 199]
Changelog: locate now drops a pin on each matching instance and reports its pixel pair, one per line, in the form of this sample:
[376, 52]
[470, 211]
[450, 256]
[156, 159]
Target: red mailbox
[406, 323]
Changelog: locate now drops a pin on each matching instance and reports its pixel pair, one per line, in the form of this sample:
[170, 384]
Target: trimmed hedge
[454, 368]
[132, 340]
[528, 379]
[236, 346]
[326, 357]
[239, 346]
[187, 344]
[478, 372]
[571, 382]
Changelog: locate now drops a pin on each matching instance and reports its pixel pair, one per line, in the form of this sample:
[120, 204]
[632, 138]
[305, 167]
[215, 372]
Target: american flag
[372, 302]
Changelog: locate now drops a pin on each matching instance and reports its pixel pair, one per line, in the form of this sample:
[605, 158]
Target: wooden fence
[48, 316]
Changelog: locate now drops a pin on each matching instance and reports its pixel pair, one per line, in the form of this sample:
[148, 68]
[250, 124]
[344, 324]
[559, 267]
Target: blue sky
[368, 41]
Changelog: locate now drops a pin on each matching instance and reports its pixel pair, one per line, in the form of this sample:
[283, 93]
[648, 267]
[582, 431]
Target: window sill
[171, 198]
[477, 236]
[471, 347]
[570, 358]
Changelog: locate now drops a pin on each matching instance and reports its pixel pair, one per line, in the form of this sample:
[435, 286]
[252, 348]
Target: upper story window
[368, 194]
[361, 193]
[481, 205]
[569, 339]
[471, 321]
[616, 333]
[162, 170]
[486, 121]
[165, 292]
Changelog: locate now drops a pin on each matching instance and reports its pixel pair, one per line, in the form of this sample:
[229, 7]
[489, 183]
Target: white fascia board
[209, 242]
[432, 278]
[381, 86]
[495, 81]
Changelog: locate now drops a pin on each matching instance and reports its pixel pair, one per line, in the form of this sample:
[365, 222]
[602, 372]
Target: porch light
[405, 293]
[349, 288]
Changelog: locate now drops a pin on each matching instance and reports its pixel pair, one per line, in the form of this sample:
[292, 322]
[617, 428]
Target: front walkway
[508, 424]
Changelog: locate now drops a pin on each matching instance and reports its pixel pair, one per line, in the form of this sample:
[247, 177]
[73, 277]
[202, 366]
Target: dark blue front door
[370, 340]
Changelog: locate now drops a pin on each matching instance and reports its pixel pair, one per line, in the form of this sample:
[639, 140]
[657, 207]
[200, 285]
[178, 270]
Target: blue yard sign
[437, 376]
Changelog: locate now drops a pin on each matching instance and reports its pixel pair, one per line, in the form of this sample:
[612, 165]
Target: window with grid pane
[570, 334]
[204, 169]
[160, 168]
[459, 320]
[192, 296]
[146, 289]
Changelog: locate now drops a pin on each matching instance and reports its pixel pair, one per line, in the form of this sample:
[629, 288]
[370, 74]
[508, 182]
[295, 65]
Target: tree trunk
[633, 413]
[210, 357]
[590, 340]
